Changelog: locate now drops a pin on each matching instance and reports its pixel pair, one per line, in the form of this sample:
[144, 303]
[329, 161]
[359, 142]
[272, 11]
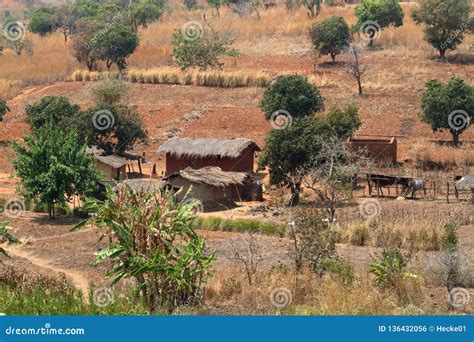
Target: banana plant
[6, 236]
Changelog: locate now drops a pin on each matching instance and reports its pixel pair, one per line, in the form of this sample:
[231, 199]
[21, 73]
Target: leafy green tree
[52, 167]
[65, 20]
[344, 122]
[199, 48]
[54, 110]
[375, 15]
[43, 21]
[83, 42]
[293, 94]
[86, 8]
[3, 109]
[144, 12]
[151, 240]
[330, 36]
[116, 43]
[6, 236]
[446, 22]
[288, 150]
[448, 106]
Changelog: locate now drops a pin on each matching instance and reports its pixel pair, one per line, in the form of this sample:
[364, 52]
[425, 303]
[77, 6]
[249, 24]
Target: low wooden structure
[112, 167]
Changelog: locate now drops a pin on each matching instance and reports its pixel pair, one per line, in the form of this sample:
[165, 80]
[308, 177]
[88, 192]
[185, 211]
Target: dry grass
[167, 75]
[427, 155]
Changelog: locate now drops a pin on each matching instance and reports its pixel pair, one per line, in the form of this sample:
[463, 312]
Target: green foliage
[52, 110]
[382, 12]
[446, 22]
[116, 43]
[145, 12]
[190, 4]
[151, 240]
[294, 94]
[43, 21]
[344, 122]
[3, 109]
[330, 36]
[449, 238]
[51, 166]
[389, 269]
[439, 100]
[201, 49]
[341, 269]
[237, 225]
[6, 236]
[287, 150]
[84, 40]
[109, 91]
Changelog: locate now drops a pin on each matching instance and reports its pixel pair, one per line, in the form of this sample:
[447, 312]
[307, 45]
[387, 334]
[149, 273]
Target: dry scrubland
[179, 105]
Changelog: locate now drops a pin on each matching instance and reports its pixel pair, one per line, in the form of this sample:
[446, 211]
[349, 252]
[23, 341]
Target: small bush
[449, 239]
[341, 269]
[359, 235]
[237, 225]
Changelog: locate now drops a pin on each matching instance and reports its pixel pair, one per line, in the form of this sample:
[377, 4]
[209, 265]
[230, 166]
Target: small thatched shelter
[210, 184]
[141, 184]
[235, 155]
[112, 166]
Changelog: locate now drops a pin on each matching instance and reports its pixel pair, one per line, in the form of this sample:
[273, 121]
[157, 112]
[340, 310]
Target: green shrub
[341, 269]
[360, 235]
[449, 238]
[237, 225]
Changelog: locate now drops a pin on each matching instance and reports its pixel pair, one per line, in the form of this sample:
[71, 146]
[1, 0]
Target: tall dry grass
[168, 75]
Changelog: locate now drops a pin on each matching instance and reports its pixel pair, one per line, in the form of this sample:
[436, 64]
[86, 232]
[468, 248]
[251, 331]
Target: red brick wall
[243, 163]
[381, 150]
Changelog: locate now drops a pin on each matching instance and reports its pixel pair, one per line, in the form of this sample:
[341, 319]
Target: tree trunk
[442, 53]
[359, 84]
[455, 135]
[295, 195]
[333, 57]
[371, 42]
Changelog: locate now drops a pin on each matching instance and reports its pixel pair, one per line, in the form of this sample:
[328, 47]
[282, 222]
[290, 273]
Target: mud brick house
[230, 155]
[381, 150]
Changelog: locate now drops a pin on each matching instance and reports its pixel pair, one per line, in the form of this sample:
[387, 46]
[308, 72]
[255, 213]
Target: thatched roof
[211, 175]
[140, 184]
[202, 148]
[113, 160]
[465, 183]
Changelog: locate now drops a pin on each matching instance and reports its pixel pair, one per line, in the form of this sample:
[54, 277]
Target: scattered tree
[6, 236]
[248, 252]
[293, 94]
[52, 110]
[344, 122]
[151, 240]
[216, 4]
[43, 21]
[330, 36]
[84, 40]
[198, 48]
[375, 15]
[446, 22]
[51, 166]
[313, 7]
[355, 66]
[448, 106]
[287, 150]
[190, 4]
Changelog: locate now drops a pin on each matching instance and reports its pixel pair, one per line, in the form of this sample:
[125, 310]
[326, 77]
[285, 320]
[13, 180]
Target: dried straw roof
[211, 175]
[113, 160]
[465, 183]
[202, 148]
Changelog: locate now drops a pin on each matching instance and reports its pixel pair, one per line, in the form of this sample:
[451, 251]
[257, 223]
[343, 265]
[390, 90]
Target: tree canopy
[446, 22]
[294, 94]
[448, 106]
[55, 110]
[330, 36]
[52, 167]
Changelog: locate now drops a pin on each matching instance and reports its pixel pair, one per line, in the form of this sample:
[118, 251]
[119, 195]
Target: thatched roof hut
[212, 176]
[140, 184]
[204, 148]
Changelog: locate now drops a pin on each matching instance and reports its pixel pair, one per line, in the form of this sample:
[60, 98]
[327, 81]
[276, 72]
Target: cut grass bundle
[168, 75]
